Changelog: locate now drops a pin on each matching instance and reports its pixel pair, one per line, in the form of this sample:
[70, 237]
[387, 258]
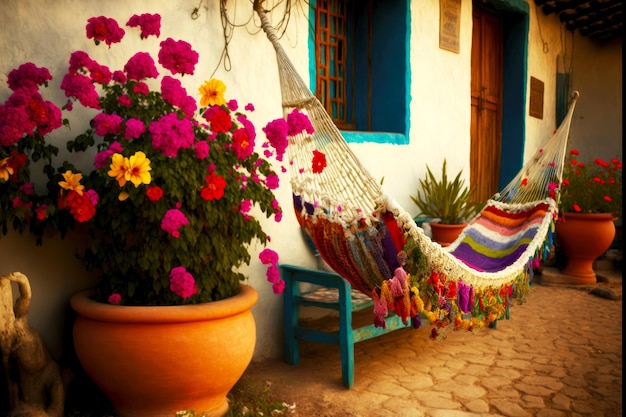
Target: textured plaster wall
[45, 32]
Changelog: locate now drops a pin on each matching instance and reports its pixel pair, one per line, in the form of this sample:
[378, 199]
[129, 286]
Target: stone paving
[560, 355]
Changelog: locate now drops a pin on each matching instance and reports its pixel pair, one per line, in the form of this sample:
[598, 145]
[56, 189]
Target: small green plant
[253, 398]
[449, 201]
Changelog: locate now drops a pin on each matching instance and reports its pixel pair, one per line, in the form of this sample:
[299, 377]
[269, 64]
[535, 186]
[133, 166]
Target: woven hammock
[367, 238]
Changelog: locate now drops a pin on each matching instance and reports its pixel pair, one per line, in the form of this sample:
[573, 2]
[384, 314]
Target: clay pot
[155, 361]
[445, 234]
[584, 238]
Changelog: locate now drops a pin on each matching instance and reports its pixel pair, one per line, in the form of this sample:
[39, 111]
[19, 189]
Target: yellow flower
[72, 182]
[134, 169]
[138, 169]
[5, 169]
[119, 166]
[212, 93]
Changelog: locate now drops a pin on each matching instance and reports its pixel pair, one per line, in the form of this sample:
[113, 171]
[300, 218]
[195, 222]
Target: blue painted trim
[375, 137]
[311, 44]
[409, 72]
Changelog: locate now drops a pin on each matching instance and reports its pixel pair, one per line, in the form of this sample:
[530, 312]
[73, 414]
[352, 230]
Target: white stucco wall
[45, 32]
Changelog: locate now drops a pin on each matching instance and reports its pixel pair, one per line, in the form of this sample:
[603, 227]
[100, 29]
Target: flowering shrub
[169, 206]
[591, 187]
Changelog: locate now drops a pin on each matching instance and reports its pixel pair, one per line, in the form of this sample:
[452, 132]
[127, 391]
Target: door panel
[486, 99]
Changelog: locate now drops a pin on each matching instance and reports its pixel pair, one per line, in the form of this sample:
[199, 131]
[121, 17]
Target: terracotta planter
[444, 234]
[584, 238]
[154, 361]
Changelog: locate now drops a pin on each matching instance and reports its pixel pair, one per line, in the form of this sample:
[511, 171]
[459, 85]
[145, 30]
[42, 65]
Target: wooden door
[486, 90]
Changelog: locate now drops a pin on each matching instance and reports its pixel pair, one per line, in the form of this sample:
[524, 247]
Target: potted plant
[168, 210]
[448, 202]
[590, 203]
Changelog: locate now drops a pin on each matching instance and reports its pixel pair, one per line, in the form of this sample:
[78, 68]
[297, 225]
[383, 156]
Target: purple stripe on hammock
[484, 241]
[479, 262]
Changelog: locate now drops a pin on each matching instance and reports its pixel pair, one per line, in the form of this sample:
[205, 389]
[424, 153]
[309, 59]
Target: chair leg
[346, 336]
[290, 312]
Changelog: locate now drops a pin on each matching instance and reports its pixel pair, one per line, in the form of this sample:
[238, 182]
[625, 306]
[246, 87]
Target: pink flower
[173, 220]
[299, 122]
[28, 77]
[134, 129]
[115, 298]
[104, 29]
[268, 256]
[140, 66]
[105, 124]
[245, 206]
[100, 74]
[174, 93]
[177, 56]
[27, 188]
[201, 149]
[141, 88]
[182, 282]
[276, 133]
[169, 134]
[119, 76]
[80, 87]
[80, 60]
[232, 105]
[278, 287]
[124, 100]
[150, 24]
[272, 181]
[93, 197]
[272, 274]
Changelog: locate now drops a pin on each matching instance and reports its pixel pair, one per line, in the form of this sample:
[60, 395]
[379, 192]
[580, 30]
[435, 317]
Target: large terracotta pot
[445, 234]
[584, 238]
[155, 361]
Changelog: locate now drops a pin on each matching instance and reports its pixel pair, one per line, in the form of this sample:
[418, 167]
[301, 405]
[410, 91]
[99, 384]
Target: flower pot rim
[83, 304]
[602, 216]
[449, 225]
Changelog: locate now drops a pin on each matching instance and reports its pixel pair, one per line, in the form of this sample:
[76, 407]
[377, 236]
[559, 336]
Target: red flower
[451, 290]
[154, 193]
[319, 162]
[80, 206]
[219, 119]
[242, 145]
[574, 152]
[214, 189]
[576, 208]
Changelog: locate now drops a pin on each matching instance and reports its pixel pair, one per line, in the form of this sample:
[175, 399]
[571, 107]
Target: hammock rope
[370, 240]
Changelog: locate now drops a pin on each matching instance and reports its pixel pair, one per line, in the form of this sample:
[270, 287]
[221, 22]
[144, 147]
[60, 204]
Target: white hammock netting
[366, 237]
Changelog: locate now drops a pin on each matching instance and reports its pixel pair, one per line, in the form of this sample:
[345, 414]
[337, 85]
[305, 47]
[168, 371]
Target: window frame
[401, 134]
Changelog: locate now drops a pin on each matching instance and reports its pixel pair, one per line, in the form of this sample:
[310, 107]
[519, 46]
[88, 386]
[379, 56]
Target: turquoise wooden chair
[336, 294]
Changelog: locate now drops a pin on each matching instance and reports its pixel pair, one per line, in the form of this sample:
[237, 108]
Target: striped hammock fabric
[496, 238]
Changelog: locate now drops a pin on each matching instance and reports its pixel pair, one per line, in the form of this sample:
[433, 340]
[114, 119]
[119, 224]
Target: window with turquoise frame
[359, 66]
